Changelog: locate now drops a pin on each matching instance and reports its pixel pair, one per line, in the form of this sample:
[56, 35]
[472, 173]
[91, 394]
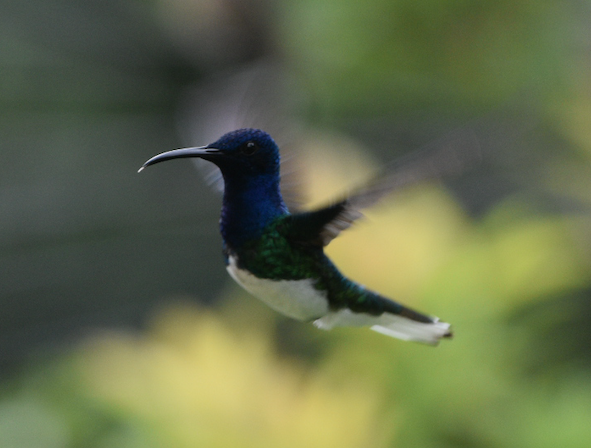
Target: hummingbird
[279, 257]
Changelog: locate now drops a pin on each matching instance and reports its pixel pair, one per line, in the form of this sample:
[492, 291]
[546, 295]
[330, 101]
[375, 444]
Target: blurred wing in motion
[256, 97]
[451, 156]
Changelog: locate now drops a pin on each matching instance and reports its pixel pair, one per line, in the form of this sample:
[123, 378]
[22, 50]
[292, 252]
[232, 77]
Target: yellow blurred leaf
[203, 385]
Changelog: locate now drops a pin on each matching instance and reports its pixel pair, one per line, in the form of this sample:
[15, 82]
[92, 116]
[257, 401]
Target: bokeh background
[119, 327]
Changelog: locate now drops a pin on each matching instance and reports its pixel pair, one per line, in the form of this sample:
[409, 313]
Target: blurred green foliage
[514, 281]
[404, 56]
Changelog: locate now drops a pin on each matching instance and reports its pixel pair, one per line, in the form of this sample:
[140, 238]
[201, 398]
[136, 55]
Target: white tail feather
[389, 324]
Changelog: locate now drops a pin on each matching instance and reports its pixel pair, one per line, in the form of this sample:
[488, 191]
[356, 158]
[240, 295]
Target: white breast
[294, 298]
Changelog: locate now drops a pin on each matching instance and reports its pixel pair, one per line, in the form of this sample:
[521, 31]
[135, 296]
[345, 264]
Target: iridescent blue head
[248, 150]
[245, 152]
[249, 162]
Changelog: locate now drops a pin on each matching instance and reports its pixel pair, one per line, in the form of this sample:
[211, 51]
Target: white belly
[294, 298]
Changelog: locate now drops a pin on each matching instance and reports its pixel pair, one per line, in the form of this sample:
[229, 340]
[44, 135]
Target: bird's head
[237, 153]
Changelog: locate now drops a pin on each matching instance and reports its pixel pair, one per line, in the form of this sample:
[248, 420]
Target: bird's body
[279, 257]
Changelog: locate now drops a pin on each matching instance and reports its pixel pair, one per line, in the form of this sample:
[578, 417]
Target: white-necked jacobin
[279, 257]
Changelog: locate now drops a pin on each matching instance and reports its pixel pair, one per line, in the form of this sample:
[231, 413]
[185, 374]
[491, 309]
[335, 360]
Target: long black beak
[201, 151]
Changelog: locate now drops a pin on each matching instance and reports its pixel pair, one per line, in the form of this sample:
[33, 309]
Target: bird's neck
[249, 205]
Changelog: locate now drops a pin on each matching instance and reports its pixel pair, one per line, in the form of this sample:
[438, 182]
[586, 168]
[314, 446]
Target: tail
[411, 330]
[395, 320]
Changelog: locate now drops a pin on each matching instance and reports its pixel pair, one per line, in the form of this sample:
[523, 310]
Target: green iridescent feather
[275, 255]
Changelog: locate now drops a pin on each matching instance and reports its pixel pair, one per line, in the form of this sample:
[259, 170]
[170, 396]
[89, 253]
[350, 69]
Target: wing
[256, 97]
[319, 227]
[444, 158]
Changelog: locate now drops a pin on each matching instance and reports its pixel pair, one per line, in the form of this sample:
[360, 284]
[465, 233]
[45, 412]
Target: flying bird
[278, 256]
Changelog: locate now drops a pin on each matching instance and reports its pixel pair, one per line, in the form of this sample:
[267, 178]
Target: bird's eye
[249, 148]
